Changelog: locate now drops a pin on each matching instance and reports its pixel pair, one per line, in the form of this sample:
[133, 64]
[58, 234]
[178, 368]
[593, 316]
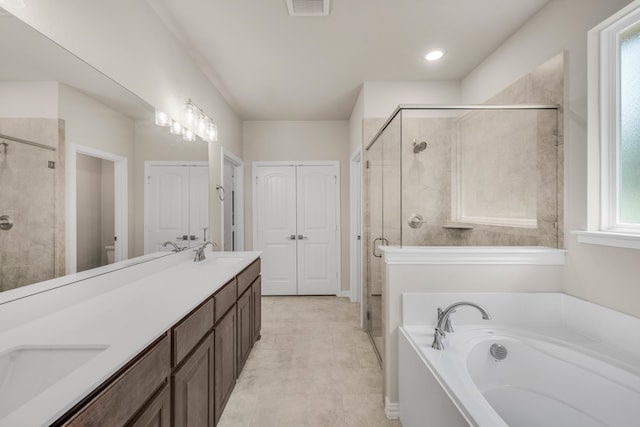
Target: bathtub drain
[498, 351]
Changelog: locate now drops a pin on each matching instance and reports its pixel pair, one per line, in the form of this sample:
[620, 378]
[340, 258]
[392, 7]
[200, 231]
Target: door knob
[301, 237]
[291, 237]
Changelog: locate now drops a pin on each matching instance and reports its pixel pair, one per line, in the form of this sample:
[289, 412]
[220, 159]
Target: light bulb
[203, 123]
[189, 113]
[434, 55]
[212, 132]
[175, 128]
[162, 119]
[188, 135]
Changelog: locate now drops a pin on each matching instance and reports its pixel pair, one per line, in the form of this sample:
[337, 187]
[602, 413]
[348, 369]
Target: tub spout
[444, 323]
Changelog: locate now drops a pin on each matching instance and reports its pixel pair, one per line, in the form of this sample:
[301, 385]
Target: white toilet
[111, 254]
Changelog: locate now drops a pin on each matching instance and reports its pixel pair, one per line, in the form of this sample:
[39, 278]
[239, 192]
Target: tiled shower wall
[429, 177]
[32, 193]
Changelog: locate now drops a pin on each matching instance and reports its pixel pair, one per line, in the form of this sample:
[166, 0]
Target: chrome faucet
[176, 248]
[200, 256]
[444, 324]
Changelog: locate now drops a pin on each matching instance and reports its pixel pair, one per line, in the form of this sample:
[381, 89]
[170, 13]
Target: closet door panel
[317, 230]
[276, 228]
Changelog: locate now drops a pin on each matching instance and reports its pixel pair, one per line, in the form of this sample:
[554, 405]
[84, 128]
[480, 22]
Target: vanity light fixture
[434, 55]
[198, 124]
[162, 119]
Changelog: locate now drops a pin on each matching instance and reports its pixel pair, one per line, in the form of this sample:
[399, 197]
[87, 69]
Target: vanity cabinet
[185, 377]
[131, 393]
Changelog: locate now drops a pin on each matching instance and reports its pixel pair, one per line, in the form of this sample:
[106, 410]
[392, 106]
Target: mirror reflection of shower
[419, 147]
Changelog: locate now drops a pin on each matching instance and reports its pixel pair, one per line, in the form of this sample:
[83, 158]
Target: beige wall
[299, 140]
[155, 143]
[601, 274]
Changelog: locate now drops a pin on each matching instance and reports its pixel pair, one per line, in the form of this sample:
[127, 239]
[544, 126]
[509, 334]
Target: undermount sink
[26, 371]
[217, 259]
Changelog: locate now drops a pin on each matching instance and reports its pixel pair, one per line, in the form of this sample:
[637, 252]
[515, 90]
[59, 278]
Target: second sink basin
[26, 371]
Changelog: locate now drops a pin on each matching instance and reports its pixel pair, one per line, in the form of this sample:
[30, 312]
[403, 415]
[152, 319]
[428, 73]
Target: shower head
[419, 147]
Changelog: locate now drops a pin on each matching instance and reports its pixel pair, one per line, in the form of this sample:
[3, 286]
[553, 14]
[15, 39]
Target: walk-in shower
[491, 178]
[27, 211]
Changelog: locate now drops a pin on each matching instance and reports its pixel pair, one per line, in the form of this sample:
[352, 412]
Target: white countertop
[126, 319]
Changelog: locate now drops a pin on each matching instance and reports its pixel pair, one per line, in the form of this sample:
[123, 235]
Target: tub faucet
[200, 256]
[176, 248]
[444, 324]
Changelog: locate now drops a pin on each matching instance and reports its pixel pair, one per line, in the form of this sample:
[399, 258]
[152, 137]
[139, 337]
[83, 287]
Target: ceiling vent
[308, 7]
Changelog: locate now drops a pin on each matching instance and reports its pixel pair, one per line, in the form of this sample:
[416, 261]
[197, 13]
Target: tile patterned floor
[314, 366]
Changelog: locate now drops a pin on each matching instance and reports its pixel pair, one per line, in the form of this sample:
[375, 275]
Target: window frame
[604, 226]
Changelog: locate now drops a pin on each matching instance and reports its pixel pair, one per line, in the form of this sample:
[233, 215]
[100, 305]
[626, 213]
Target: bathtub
[551, 376]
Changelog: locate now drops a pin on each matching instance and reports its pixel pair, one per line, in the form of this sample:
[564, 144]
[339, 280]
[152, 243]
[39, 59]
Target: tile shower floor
[314, 366]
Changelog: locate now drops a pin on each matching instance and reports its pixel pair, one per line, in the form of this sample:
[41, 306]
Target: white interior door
[317, 229]
[176, 206]
[296, 228]
[276, 228]
[229, 206]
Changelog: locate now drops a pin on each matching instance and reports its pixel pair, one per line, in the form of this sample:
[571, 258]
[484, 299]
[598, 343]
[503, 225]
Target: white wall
[382, 98]
[604, 275]
[299, 140]
[29, 99]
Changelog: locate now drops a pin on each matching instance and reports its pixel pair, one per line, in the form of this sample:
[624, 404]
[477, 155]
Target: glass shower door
[382, 221]
[27, 214]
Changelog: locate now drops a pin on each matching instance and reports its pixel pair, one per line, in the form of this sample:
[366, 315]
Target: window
[614, 131]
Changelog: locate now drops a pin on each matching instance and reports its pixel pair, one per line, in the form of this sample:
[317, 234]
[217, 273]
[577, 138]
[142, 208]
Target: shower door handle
[382, 239]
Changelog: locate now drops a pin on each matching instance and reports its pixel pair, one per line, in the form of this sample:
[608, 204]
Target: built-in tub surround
[567, 362]
[457, 269]
[120, 312]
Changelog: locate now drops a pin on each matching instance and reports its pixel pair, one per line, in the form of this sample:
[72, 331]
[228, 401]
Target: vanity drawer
[129, 392]
[247, 276]
[225, 298]
[188, 333]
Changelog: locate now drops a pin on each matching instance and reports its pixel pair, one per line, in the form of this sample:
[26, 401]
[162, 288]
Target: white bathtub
[551, 376]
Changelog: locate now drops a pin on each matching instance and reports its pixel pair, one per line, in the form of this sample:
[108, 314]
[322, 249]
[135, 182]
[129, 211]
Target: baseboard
[344, 294]
[391, 410]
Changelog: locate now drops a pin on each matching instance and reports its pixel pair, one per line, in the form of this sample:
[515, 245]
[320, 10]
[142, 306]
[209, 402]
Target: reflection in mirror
[53, 104]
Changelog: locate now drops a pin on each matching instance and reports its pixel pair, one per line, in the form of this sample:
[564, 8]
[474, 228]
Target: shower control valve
[416, 221]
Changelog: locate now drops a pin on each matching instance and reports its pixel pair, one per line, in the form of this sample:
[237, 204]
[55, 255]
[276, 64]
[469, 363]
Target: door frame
[147, 165]
[355, 210]
[336, 164]
[238, 164]
[121, 198]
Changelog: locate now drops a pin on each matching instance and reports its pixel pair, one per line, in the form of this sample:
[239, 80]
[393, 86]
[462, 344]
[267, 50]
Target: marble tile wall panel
[31, 251]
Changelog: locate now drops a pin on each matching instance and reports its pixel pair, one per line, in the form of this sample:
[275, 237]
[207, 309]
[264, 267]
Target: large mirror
[74, 150]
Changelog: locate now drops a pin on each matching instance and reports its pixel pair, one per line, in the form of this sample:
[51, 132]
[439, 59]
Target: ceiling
[271, 66]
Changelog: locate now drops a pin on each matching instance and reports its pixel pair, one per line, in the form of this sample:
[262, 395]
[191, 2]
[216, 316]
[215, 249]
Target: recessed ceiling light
[434, 55]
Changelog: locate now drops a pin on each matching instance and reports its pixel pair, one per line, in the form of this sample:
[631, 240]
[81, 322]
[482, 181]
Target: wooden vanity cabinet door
[225, 360]
[158, 411]
[193, 388]
[127, 394]
[245, 329]
[256, 308]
